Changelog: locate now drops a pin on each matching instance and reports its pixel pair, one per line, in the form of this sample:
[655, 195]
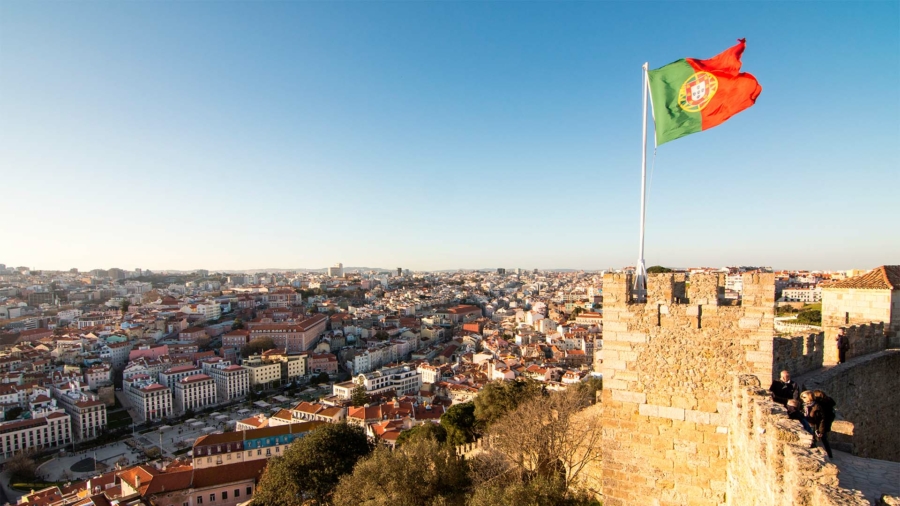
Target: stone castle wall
[864, 339]
[853, 306]
[799, 354]
[769, 459]
[804, 353]
[668, 367]
[685, 412]
[865, 390]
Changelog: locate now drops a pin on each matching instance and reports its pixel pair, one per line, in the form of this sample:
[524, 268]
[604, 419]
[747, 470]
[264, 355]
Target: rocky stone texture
[866, 392]
[770, 462]
[686, 417]
[668, 373]
[799, 354]
[854, 306]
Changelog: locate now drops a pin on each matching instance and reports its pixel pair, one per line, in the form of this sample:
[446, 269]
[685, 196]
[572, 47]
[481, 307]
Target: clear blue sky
[232, 135]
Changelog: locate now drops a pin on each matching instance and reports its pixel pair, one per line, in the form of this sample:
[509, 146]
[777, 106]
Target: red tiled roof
[194, 378]
[886, 277]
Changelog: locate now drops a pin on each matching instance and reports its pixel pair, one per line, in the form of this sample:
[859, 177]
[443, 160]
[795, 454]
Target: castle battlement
[671, 401]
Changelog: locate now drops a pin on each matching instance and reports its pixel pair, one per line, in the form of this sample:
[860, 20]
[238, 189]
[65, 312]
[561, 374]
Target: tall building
[399, 271]
[336, 270]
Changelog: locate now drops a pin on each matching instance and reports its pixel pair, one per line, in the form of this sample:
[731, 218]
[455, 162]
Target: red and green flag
[691, 95]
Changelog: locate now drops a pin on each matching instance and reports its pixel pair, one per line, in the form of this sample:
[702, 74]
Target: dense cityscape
[449, 253]
[142, 376]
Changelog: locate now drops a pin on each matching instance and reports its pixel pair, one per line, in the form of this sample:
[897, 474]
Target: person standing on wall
[843, 344]
[784, 389]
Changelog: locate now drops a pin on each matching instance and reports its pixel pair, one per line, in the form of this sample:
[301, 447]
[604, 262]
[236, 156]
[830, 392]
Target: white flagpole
[640, 278]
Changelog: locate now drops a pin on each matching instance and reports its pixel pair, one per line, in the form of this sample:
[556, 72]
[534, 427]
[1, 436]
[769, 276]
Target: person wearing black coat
[820, 415]
[784, 389]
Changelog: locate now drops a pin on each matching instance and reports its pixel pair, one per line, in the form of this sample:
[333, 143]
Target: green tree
[22, 465]
[498, 398]
[237, 325]
[550, 437]
[359, 397]
[657, 269]
[124, 306]
[590, 387]
[536, 492]
[431, 431]
[13, 413]
[420, 472]
[459, 423]
[810, 317]
[382, 335]
[258, 345]
[312, 466]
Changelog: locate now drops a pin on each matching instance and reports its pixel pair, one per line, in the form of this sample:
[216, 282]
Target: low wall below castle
[865, 390]
[769, 459]
[863, 340]
[798, 354]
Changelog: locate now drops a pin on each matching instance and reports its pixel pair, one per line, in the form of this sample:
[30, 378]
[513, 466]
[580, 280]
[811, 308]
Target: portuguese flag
[691, 95]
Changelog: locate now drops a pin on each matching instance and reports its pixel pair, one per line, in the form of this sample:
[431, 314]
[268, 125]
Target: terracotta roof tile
[886, 277]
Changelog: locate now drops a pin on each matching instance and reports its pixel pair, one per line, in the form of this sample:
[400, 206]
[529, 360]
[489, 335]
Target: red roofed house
[223, 485]
[464, 313]
[871, 297]
[322, 362]
[292, 337]
[192, 334]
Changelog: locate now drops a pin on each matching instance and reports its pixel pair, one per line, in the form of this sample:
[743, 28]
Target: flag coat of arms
[692, 95]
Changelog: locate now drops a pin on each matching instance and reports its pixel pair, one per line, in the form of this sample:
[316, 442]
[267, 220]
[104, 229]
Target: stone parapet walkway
[872, 477]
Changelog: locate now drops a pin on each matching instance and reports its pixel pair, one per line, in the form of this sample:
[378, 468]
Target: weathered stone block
[671, 413]
[625, 396]
[699, 417]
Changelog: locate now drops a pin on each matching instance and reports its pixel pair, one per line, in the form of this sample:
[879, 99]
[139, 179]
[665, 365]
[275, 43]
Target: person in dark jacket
[784, 389]
[843, 344]
[820, 415]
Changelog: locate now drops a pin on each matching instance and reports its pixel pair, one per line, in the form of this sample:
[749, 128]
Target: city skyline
[436, 136]
[354, 270]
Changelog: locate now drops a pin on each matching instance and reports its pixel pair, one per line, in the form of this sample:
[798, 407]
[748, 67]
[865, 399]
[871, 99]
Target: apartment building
[116, 354]
[151, 400]
[194, 392]
[401, 379]
[293, 337]
[284, 298]
[88, 419]
[805, 294]
[172, 376]
[322, 362]
[262, 372]
[236, 339]
[98, 375]
[48, 431]
[231, 381]
[248, 445]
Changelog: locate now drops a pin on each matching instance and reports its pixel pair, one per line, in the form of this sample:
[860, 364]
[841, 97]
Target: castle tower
[668, 369]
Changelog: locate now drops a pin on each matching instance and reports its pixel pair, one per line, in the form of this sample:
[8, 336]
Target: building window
[249, 490]
[199, 499]
[224, 495]
[212, 497]
[237, 492]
